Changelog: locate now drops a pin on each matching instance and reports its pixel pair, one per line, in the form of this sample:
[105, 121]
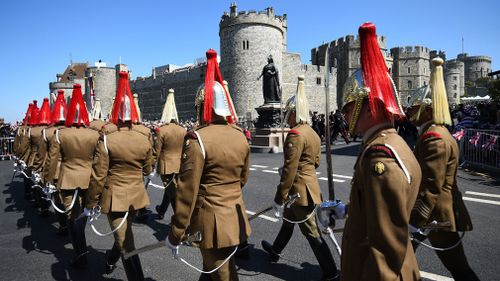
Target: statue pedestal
[268, 135]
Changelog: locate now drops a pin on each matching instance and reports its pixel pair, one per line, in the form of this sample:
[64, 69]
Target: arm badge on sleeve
[379, 168]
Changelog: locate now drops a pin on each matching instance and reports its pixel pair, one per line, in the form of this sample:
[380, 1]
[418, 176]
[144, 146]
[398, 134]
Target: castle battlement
[479, 59]
[351, 41]
[410, 52]
[266, 17]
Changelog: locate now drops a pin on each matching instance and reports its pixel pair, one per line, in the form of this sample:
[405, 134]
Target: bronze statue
[271, 85]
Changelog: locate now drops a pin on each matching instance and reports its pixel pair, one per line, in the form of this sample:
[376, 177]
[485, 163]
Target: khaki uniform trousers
[124, 238]
[308, 228]
[67, 198]
[212, 258]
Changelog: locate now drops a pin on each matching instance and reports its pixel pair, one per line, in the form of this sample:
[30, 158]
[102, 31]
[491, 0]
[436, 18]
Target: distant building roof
[74, 71]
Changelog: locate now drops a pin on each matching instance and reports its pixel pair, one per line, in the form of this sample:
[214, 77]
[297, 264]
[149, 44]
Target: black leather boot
[76, 230]
[324, 257]
[110, 259]
[133, 268]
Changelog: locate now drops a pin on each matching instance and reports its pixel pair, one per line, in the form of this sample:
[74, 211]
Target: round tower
[247, 39]
[477, 67]
[454, 80]
[104, 87]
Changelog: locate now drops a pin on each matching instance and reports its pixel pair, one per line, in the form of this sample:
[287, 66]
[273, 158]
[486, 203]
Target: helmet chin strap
[358, 105]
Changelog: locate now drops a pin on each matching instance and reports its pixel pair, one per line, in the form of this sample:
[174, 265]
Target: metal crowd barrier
[6, 146]
[481, 148]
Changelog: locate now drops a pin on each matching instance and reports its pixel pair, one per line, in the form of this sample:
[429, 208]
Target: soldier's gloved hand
[88, 212]
[173, 248]
[278, 210]
[339, 210]
[152, 175]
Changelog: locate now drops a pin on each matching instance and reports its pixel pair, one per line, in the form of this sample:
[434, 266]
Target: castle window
[409, 70]
[246, 45]
[454, 78]
[455, 95]
[454, 87]
[425, 70]
[425, 83]
[410, 85]
[318, 80]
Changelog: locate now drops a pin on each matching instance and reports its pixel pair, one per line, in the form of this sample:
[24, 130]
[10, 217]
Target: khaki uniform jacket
[76, 147]
[376, 244]
[439, 198]
[17, 141]
[49, 138]
[97, 125]
[38, 149]
[302, 153]
[168, 148]
[24, 144]
[209, 198]
[123, 157]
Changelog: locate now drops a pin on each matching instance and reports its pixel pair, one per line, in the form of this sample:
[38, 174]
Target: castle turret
[246, 41]
[454, 80]
[411, 69]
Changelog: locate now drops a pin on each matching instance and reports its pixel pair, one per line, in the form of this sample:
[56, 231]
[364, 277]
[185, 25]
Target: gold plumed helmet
[169, 109]
[433, 95]
[298, 104]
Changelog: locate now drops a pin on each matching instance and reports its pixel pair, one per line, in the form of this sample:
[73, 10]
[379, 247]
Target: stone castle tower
[411, 69]
[246, 41]
[344, 55]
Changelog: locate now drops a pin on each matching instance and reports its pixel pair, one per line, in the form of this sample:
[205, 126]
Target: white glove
[152, 175]
[88, 212]
[278, 210]
[173, 248]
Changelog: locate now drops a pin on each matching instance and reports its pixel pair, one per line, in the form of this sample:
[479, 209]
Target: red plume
[59, 109]
[124, 102]
[376, 74]
[28, 114]
[77, 113]
[44, 115]
[34, 114]
[213, 74]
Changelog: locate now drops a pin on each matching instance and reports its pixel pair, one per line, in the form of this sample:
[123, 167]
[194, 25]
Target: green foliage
[494, 89]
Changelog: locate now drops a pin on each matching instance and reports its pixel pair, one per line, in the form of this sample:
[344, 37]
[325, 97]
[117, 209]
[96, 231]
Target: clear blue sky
[38, 37]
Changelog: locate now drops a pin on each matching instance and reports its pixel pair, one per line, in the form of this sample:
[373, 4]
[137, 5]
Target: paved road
[30, 250]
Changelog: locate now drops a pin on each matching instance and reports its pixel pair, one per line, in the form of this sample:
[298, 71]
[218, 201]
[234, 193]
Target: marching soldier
[212, 173]
[118, 176]
[75, 144]
[22, 147]
[302, 153]
[439, 198]
[167, 152]
[32, 121]
[97, 123]
[38, 153]
[376, 243]
[58, 117]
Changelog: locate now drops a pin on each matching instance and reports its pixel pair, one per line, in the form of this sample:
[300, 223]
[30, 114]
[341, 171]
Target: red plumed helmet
[59, 109]
[124, 108]
[44, 115]
[77, 113]
[382, 96]
[28, 114]
[212, 75]
[33, 120]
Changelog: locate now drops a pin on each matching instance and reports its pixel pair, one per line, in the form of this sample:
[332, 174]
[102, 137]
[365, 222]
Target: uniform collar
[370, 133]
[425, 126]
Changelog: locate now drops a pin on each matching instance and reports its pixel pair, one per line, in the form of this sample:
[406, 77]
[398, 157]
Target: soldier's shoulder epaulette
[430, 136]
[294, 132]
[109, 128]
[142, 129]
[236, 127]
[191, 135]
[380, 149]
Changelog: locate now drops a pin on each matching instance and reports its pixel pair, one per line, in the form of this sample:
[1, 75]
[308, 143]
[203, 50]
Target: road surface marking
[276, 168]
[263, 216]
[342, 176]
[482, 201]
[335, 180]
[259, 166]
[270, 171]
[253, 169]
[435, 277]
[482, 194]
